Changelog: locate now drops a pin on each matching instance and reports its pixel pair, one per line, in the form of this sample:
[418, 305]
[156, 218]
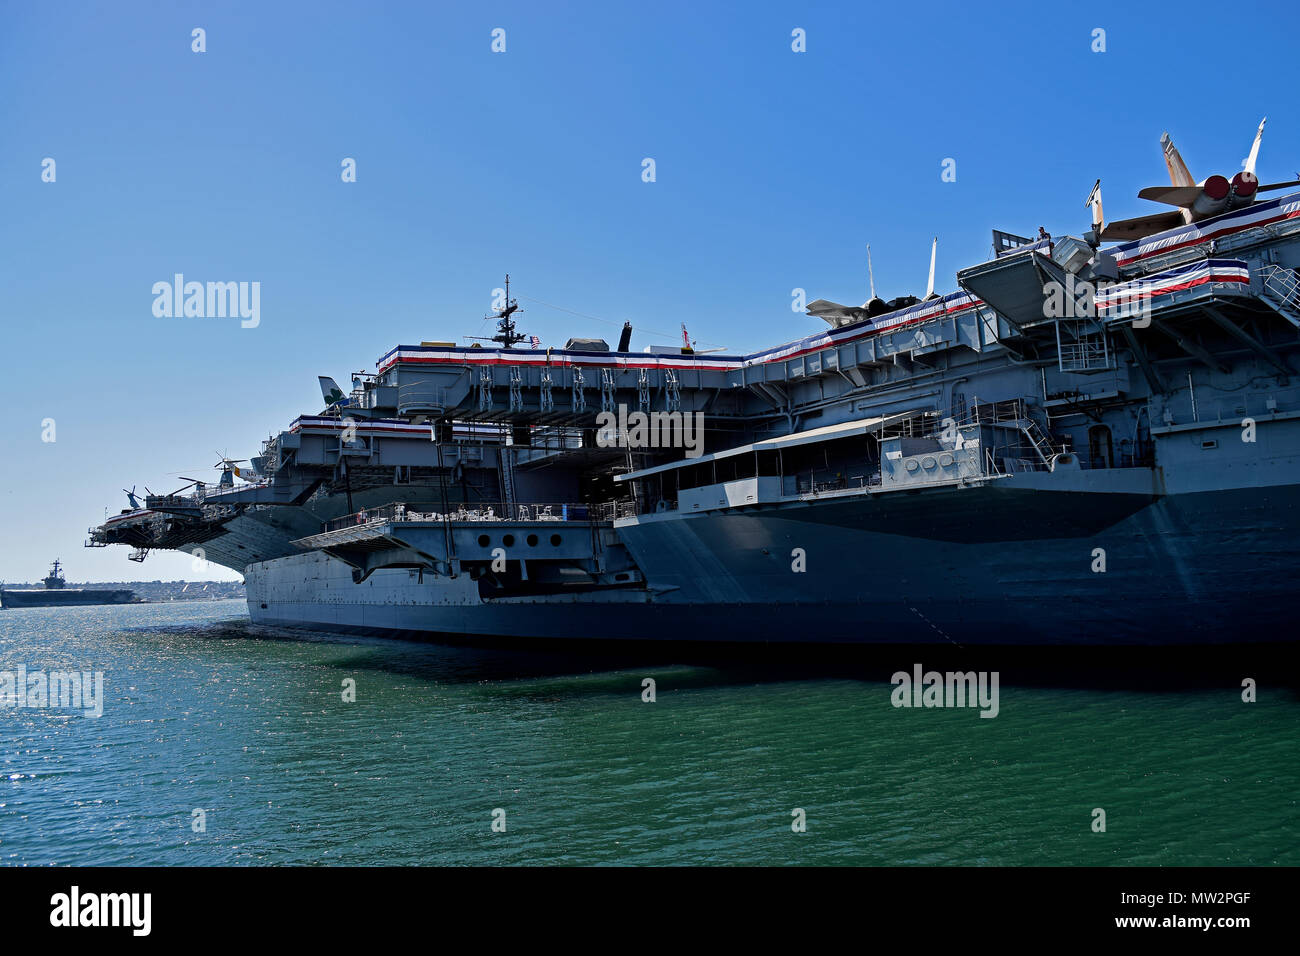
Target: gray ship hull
[63, 597]
[984, 468]
[1006, 564]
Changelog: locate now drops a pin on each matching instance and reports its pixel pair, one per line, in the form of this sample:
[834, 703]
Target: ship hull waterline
[1023, 568]
[54, 598]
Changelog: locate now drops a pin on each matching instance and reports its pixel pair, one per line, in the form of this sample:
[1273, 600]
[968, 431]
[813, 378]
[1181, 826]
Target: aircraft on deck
[838, 315]
[1194, 201]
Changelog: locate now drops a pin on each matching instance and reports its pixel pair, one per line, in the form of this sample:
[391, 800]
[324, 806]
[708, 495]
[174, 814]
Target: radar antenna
[507, 335]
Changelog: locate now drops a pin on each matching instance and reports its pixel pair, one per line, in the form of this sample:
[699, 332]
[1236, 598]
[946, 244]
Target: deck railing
[530, 511]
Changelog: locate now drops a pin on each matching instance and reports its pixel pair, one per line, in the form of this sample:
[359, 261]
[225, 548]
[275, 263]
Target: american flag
[535, 341]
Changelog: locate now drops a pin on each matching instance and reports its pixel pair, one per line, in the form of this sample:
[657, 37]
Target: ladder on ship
[1042, 444]
[508, 478]
[1280, 288]
[449, 540]
[1013, 415]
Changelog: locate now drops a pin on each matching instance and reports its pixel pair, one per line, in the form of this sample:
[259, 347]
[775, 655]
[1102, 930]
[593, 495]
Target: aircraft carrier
[1085, 444]
[56, 593]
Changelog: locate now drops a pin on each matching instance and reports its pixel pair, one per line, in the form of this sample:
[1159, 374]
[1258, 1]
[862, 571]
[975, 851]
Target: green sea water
[205, 712]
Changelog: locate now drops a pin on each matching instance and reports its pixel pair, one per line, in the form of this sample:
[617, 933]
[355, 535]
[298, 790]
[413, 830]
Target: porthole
[555, 540]
[508, 540]
[532, 540]
[484, 541]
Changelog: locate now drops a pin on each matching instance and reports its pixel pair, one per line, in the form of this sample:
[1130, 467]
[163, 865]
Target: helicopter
[229, 469]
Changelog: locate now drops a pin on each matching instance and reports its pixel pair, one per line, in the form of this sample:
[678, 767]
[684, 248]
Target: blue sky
[773, 170]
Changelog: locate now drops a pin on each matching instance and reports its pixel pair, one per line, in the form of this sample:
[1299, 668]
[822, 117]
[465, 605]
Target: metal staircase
[1042, 444]
[1015, 416]
[1280, 288]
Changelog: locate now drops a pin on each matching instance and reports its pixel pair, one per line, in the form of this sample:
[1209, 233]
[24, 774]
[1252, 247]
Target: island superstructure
[1082, 445]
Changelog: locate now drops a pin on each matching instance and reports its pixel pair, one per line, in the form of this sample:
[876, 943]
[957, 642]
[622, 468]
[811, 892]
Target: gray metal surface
[961, 471]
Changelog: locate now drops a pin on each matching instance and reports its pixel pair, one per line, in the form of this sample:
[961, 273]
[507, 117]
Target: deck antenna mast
[507, 334]
[871, 276]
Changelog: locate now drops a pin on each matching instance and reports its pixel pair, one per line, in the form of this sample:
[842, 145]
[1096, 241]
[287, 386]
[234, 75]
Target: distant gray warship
[56, 593]
[1081, 446]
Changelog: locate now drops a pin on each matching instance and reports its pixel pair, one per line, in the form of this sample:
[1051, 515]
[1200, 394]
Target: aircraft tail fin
[1094, 201]
[929, 286]
[329, 390]
[871, 276]
[1249, 165]
[1179, 175]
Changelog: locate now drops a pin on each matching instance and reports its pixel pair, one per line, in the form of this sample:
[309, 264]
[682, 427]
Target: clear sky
[773, 170]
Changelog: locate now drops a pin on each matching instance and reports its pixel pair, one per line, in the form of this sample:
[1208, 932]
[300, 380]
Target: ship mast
[507, 334]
